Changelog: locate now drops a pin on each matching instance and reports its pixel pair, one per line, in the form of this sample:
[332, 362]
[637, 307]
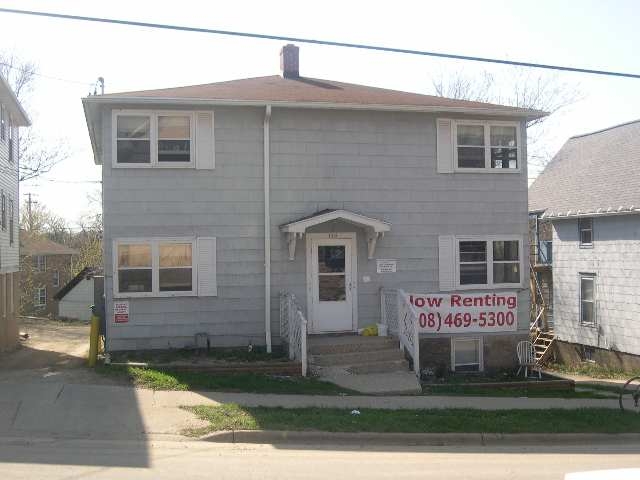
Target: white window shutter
[444, 145]
[447, 262]
[205, 141]
[207, 282]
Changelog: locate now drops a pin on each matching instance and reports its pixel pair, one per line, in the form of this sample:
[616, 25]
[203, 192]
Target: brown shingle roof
[311, 91]
[32, 245]
[592, 173]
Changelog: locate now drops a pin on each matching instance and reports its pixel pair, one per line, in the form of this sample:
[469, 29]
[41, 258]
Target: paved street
[96, 459]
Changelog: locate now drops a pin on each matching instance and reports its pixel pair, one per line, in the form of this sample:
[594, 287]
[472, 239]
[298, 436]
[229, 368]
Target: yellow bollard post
[93, 340]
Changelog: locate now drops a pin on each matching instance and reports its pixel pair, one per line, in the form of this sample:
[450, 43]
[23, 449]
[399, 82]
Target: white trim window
[56, 278]
[488, 262]
[40, 297]
[154, 267]
[3, 122]
[466, 354]
[153, 139]
[585, 231]
[587, 299]
[481, 146]
[40, 263]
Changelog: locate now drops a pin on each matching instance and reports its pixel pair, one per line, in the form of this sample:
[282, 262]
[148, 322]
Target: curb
[411, 439]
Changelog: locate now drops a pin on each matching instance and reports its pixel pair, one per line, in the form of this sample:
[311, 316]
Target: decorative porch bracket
[293, 236]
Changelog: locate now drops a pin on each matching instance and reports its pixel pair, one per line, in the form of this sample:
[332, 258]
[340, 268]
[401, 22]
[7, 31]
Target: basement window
[466, 355]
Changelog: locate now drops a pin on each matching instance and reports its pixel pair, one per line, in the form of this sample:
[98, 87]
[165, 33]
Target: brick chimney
[289, 61]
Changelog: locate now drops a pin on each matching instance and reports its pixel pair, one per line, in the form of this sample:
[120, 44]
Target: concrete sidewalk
[108, 411]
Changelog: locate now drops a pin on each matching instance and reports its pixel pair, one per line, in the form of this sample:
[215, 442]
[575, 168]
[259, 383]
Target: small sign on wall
[121, 311]
[386, 265]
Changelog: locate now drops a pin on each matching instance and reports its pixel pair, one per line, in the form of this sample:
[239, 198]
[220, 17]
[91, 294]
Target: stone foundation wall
[573, 354]
[499, 352]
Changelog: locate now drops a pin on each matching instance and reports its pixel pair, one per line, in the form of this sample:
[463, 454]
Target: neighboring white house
[12, 116]
[220, 197]
[590, 192]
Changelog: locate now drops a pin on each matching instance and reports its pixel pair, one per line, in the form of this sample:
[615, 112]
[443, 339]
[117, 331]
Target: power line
[318, 42]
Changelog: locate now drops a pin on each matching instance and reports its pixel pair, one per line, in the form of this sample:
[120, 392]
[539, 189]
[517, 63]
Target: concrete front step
[377, 383]
[384, 366]
[336, 359]
[334, 344]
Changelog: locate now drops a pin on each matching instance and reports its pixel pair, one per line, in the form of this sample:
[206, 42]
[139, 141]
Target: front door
[332, 282]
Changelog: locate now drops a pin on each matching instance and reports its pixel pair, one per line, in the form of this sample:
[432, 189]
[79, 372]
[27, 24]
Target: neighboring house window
[40, 297]
[56, 278]
[13, 144]
[466, 354]
[3, 123]
[587, 299]
[41, 263]
[158, 267]
[11, 221]
[486, 146]
[489, 262]
[3, 206]
[585, 228]
[154, 139]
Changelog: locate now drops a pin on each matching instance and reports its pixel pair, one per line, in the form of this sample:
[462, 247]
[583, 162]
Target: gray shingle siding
[379, 164]
[615, 260]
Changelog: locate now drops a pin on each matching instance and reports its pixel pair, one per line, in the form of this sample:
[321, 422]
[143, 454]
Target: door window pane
[331, 258]
[331, 288]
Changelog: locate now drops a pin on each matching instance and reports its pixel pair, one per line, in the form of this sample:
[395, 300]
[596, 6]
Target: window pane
[473, 251]
[135, 255]
[331, 288]
[586, 288]
[175, 255]
[470, 157]
[133, 151]
[473, 273]
[586, 237]
[505, 250]
[503, 136]
[586, 313]
[506, 273]
[133, 126]
[467, 351]
[504, 158]
[470, 135]
[175, 279]
[174, 127]
[585, 223]
[331, 258]
[174, 151]
[134, 280]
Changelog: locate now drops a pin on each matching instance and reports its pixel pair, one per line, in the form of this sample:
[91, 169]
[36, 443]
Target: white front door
[331, 261]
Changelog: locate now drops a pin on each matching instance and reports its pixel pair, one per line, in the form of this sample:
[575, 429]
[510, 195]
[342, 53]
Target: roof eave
[89, 114]
[489, 111]
[23, 119]
[598, 213]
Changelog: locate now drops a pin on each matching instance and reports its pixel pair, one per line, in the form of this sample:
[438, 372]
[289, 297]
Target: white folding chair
[526, 358]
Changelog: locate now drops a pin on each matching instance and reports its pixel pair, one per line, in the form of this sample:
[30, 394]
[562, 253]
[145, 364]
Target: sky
[71, 55]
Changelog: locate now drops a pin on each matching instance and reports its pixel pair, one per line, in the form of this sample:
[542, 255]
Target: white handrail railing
[293, 329]
[408, 330]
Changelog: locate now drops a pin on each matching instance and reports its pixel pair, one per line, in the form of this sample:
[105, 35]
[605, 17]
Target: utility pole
[30, 202]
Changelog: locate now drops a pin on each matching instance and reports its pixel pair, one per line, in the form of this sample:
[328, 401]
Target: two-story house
[590, 193]
[46, 267]
[219, 197]
[12, 117]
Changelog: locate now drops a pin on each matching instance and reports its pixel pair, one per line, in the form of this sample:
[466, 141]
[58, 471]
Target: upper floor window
[11, 221]
[486, 146]
[3, 122]
[153, 139]
[489, 262]
[56, 278]
[585, 230]
[40, 263]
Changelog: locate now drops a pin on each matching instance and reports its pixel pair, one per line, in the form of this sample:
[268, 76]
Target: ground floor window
[40, 297]
[466, 354]
[587, 299]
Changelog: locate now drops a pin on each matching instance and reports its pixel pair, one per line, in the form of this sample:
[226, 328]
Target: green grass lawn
[589, 420]
[241, 382]
[463, 390]
[258, 354]
[593, 370]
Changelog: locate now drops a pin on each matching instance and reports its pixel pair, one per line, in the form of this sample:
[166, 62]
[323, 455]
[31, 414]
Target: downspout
[267, 231]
